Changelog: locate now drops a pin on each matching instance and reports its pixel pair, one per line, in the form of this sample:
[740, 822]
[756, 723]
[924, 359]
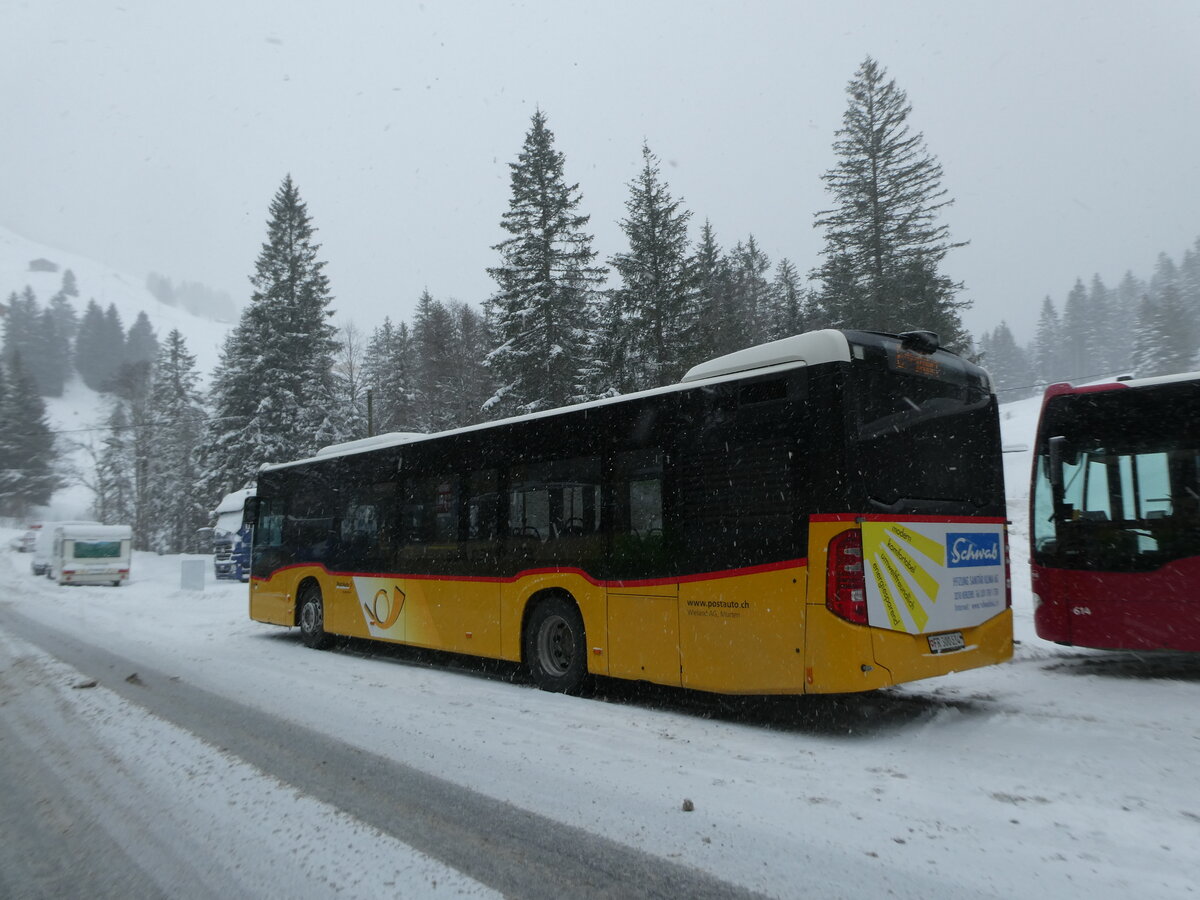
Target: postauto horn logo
[974, 549]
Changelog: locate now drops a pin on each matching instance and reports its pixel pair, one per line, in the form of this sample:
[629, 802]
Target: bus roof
[811, 348]
[1119, 383]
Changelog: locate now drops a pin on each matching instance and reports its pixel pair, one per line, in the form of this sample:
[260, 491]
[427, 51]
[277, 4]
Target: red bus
[1115, 514]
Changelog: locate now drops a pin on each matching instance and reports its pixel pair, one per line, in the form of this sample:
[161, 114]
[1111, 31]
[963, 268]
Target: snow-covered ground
[1065, 773]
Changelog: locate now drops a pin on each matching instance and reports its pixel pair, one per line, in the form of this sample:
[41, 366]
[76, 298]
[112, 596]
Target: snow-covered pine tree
[1046, 352]
[115, 490]
[21, 324]
[749, 293]
[349, 379]
[884, 245]
[27, 452]
[1007, 363]
[715, 326]
[657, 315]
[53, 355]
[90, 354]
[389, 378]
[472, 381]
[1177, 334]
[1189, 283]
[141, 346]
[1127, 300]
[542, 311]
[1147, 359]
[789, 314]
[1076, 335]
[69, 286]
[178, 421]
[112, 340]
[272, 395]
[433, 347]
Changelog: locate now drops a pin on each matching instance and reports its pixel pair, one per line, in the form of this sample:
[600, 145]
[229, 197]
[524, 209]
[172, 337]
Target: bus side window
[269, 530]
[554, 510]
[637, 513]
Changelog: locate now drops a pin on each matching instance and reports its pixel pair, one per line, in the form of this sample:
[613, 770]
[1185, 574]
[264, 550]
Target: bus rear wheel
[556, 647]
[312, 618]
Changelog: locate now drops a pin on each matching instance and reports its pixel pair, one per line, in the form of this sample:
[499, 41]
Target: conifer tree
[1046, 352]
[112, 341]
[1126, 305]
[750, 293]
[22, 324]
[272, 393]
[542, 311]
[115, 490]
[884, 245]
[70, 288]
[177, 420]
[1146, 358]
[789, 314]
[53, 351]
[1076, 334]
[141, 346]
[390, 378]
[473, 379]
[433, 346]
[349, 379]
[655, 296]
[90, 353]
[1007, 363]
[27, 452]
[710, 276]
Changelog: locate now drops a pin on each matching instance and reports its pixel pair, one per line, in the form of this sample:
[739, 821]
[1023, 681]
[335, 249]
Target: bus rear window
[896, 389]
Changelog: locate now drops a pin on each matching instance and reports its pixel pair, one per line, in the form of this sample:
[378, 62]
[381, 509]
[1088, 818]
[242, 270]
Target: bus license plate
[944, 643]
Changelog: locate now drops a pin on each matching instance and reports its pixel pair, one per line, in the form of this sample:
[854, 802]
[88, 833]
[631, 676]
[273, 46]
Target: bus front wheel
[312, 618]
[555, 646]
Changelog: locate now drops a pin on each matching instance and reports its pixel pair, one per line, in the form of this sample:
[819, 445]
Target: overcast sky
[152, 134]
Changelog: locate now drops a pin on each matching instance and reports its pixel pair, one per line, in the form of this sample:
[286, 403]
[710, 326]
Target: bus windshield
[1116, 485]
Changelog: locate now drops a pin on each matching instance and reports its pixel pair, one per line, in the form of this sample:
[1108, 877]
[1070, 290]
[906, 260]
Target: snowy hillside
[105, 285]
[77, 413]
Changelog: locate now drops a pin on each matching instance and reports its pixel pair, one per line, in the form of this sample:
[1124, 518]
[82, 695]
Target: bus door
[448, 559]
[643, 606]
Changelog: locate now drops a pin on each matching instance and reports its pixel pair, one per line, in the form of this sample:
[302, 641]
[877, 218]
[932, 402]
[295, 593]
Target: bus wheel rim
[556, 646]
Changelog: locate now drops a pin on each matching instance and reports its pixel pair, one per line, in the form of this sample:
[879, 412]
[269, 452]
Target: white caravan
[45, 542]
[90, 554]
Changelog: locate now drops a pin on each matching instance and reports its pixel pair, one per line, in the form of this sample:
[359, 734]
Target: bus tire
[312, 618]
[555, 646]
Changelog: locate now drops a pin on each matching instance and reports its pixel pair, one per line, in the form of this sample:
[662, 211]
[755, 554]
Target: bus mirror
[250, 511]
[1057, 449]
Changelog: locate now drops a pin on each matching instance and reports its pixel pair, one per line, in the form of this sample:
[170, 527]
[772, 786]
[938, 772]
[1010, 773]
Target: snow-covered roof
[95, 532]
[234, 502]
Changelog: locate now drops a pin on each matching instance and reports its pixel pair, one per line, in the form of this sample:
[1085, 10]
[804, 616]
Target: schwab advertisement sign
[928, 576]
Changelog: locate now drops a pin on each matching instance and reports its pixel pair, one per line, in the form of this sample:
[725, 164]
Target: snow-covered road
[1068, 773]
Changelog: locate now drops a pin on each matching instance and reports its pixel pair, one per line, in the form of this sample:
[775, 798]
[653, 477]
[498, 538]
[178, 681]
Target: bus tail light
[845, 584]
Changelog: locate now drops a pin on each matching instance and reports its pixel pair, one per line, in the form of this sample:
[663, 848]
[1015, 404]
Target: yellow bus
[823, 513]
